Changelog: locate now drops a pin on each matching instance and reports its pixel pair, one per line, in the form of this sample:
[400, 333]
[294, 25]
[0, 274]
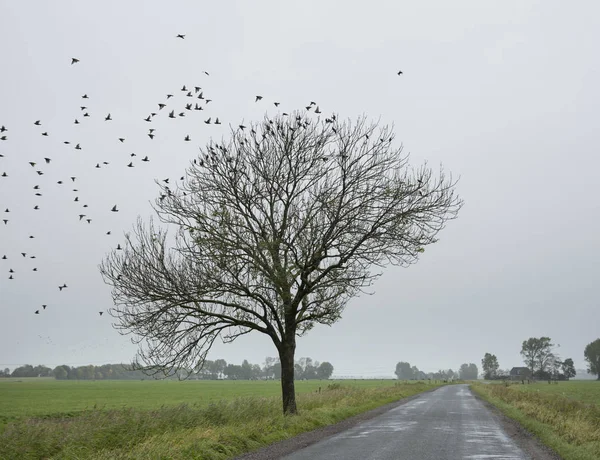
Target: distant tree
[246, 370]
[269, 367]
[277, 370]
[537, 353]
[60, 373]
[403, 371]
[592, 356]
[468, 372]
[554, 367]
[233, 371]
[324, 370]
[415, 372]
[256, 372]
[490, 366]
[24, 371]
[298, 371]
[220, 365]
[568, 368]
[503, 374]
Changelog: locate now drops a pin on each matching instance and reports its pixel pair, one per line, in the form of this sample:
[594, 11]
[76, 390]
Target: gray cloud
[504, 95]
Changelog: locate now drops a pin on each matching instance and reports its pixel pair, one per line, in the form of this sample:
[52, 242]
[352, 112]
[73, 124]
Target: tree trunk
[287, 352]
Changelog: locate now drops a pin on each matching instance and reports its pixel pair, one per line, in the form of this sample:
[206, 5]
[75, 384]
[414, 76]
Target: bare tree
[275, 231]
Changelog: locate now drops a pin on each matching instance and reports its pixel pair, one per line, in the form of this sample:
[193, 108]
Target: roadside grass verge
[218, 430]
[570, 427]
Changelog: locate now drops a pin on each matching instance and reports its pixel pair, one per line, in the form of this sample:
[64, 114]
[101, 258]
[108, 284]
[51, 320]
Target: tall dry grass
[570, 427]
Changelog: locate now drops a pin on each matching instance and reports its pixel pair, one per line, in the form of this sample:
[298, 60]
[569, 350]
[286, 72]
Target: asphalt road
[448, 423]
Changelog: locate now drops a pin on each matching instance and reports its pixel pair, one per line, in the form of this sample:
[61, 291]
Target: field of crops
[587, 391]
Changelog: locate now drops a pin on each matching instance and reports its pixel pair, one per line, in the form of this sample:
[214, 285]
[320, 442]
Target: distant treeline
[305, 369]
[404, 371]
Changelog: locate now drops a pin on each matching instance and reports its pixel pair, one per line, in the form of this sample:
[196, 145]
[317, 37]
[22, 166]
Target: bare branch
[275, 230]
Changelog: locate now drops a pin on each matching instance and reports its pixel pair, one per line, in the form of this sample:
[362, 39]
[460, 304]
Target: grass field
[565, 417]
[587, 391]
[44, 418]
[42, 397]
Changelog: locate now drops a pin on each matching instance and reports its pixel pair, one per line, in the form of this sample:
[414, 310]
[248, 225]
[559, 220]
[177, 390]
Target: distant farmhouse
[520, 373]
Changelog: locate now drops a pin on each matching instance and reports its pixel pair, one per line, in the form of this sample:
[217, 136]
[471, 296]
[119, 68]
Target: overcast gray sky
[503, 94]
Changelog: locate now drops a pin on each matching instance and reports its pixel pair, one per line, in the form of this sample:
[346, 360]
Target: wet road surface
[448, 423]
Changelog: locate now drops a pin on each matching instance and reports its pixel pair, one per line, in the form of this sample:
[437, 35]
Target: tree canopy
[592, 357]
[537, 353]
[490, 366]
[275, 230]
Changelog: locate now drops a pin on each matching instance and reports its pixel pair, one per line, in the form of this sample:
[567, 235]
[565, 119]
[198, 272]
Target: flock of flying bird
[195, 101]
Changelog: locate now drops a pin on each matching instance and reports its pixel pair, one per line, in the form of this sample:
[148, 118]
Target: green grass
[41, 397]
[580, 390]
[566, 419]
[168, 419]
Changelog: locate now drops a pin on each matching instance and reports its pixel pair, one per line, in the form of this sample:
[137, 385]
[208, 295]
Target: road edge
[525, 439]
[288, 446]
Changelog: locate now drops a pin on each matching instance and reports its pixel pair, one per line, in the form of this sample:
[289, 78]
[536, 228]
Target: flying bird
[258, 98]
[182, 36]
[37, 123]
[74, 61]
[122, 139]
[114, 208]
[107, 118]
[217, 122]
[207, 121]
[85, 96]
[400, 72]
[187, 138]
